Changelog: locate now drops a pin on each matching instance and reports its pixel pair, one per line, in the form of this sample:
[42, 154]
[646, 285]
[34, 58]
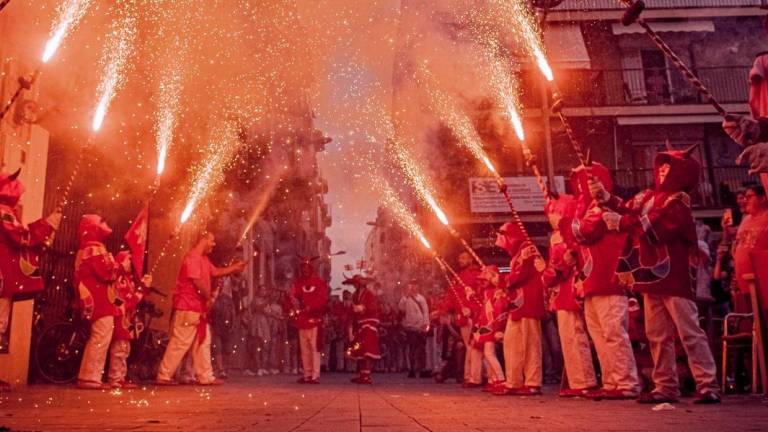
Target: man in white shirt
[416, 324]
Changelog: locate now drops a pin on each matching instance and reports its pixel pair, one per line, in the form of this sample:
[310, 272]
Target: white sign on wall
[484, 195]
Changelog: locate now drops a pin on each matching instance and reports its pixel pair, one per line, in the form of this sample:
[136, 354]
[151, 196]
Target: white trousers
[310, 356]
[608, 323]
[522, 353]
[95, 354]
[576, 350]
[495, 372]
[118, 360]
[664, 314]
[184, 337]
[473, 358]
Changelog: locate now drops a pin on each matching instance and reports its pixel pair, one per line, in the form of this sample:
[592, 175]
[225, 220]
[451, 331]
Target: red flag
[136, 237]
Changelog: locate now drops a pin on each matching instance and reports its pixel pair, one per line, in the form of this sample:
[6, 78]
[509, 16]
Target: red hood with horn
[11, 188]
[580, 181]
[92, 229]
[683, 175]
[510, 237]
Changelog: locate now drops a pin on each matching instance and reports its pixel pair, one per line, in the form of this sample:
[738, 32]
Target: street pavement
[394, 403]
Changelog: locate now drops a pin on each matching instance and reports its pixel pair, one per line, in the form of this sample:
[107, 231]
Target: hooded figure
[522, 334]
[660, 261]
[20, 246]
[605, 301]
[364, 332]
[306, 305]
[559, 279]
[489, 321]
[96, 272]
[95, 269]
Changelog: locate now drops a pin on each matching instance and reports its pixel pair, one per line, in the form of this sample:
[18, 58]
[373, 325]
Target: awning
[672, 119]
[670, 26]
[565, 47]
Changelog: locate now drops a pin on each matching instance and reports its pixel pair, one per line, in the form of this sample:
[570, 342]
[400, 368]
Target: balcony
[649, 86]
[597, 5]
[714, 186]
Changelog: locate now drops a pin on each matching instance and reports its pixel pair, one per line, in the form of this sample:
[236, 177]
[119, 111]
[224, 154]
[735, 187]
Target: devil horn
[689, 151]
[15, 175]
[668, 145]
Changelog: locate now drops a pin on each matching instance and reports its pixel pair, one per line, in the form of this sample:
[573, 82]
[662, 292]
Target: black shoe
[707, 398]
[412, 374]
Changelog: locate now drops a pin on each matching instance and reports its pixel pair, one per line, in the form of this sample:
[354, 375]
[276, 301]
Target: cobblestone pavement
[395, 403]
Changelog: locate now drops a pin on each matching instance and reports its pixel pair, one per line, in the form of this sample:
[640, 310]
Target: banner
[484, 196]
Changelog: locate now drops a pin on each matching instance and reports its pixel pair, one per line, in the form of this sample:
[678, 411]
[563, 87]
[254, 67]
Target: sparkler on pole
[24, 84]
[422, 188]
[632, 15]
[70, 13]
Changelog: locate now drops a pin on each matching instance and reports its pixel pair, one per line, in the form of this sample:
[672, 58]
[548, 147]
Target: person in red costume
[660, 262]
[191, 302]
[457, 301]
[20, 248]
[489, 318]
[129, 294]
[306, 304]
[363, 334]
[559, 280]
[522, 335]
[95, 274]
[605, 300]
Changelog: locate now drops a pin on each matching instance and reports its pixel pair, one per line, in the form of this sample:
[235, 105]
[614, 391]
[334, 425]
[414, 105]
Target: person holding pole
[191, 302]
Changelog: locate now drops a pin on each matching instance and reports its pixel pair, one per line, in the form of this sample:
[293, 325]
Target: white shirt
[416, 312]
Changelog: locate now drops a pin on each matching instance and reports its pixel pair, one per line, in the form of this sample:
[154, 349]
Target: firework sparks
[167, 112]
[267, 190]
[70, 13]
[117, 51]
[524, 23]
[221, 147]
[400, 212]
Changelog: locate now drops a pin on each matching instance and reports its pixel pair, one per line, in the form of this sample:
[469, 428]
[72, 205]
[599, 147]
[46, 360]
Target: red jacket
[129, 295]
[20, 246]
[662, 255]
[490, 317]
[524, 272]
[20, 249]
[95, 270]
[307, 302]
[455, 299]
[559, 277]
[600, 248]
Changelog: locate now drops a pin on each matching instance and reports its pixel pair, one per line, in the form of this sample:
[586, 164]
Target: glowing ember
[517, 123]
[117, 51]
[425, 242]
[188, 211]
[438, 212]
[70, 13]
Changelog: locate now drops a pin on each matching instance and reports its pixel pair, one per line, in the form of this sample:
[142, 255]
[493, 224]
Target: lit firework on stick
[423, 191]
[117, 51]
[524, 23]
[267, 190]
[70, 13]
[168, 104]
[221, 148]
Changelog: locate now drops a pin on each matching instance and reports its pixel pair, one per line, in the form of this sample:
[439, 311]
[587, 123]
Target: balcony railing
[650, 86]
[715, 185]
[580, 5]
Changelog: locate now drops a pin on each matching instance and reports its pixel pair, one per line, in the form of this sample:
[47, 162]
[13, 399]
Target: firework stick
[446, 267]
[163, 249]
[78, 164]
[515, 217]
[466, 246]
[632, 14]
[557, 108]
[24, 84]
